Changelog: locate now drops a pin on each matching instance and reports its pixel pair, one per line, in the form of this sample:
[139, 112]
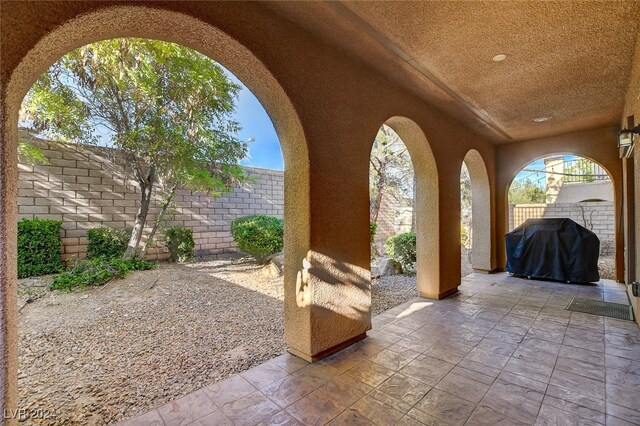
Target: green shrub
[95, 272]
[373, 228]
[402, 248]
[39, 247]
[260, 236]
[107, 243]
[180, 243]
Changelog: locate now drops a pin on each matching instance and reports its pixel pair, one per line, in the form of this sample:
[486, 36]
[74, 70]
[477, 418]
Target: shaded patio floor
[501, 351]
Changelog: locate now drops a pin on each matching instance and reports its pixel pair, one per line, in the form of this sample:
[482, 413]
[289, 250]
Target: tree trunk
[378, 202]
[163, 210]
[413, 204]
[146, 189]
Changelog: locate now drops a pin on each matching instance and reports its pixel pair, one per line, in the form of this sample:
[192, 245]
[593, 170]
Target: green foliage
[579, 170]
[258, 235]
[39, 246]
[167, 108]
[390, 170]
[402, 248]
[526, 192]
[30, 154]
[96, 272]
[180, 243]
[373, 228]
[466, 206]
[107, 243]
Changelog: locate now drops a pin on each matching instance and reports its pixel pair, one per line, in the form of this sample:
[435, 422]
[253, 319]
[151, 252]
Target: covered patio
[496, 84]
[503, 350]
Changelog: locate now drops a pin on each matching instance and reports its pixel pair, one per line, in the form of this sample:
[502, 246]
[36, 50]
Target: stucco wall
[598, 145]
[84, 188]
[632, 108]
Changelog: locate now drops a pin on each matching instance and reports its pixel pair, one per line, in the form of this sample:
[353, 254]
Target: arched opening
[568, 186]
[177, 28]
[425, 205]
[475, 214]
[392, 218]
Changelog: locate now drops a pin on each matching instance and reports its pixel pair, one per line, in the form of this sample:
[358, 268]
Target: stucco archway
[481, 212]
[516, 167]
[426, 205]
[146, 22]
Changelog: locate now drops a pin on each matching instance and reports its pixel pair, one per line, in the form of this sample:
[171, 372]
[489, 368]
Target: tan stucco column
[8, 263]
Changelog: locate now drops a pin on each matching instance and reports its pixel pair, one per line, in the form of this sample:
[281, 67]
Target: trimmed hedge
[180, 243]
[258, 235]
[107, 243]
[95, 272]
[39, 246]
[402, 248]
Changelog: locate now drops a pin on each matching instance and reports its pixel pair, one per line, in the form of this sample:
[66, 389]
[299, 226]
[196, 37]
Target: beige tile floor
[502, 351]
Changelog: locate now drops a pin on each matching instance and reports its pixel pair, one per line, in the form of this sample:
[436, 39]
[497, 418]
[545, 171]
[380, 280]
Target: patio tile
[410, 421]
[592, 357]
[513, 401]
[629, 352]
[504, 336]
[229, 390]
[473, 375]
[623, 364]
[187, 409]
[427, 369]
[391, 360]
[318, 407]
[289, 363]
[370, 373]
[551, 416]
[217, 418]
[368, 410]
[280, 419]
[581, 368]
[404, 389]
[621, 378]
[250, 410]
[486, 416]
[286, 391]
[446, 407]
[497, 346]
[347, 389]
[578, 384]
[463, 387]
[451, 352]
[523, 381]
[479, 368]
[622, 396]
[264, 374]
[491, 359]
[624, 413]
[572, 401]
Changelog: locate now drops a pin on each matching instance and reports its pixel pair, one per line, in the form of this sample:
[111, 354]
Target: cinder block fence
[84, 188]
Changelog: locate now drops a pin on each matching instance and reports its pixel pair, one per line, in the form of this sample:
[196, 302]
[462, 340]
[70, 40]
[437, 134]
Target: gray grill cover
[555, 249]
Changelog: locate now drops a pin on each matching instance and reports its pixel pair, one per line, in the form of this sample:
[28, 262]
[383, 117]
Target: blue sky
[265, 150]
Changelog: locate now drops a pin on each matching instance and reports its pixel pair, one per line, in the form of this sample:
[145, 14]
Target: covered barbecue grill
[555, 249]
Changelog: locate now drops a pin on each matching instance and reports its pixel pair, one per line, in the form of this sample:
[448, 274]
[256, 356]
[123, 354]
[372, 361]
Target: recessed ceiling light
[541, 119]
[499, 58]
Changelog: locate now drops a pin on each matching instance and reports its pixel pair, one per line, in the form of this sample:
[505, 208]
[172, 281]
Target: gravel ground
[112, 352]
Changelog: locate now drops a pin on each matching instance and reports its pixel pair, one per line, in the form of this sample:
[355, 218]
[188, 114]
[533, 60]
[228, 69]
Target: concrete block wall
[601, 214]
[84, 188]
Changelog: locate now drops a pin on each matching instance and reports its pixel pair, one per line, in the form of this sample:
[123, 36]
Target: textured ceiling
[569, 61]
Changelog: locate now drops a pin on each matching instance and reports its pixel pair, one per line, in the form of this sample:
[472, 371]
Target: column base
[439, 295]
[327, 352]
